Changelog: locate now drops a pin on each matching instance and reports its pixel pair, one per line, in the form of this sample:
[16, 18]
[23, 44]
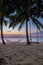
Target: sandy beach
[21, 54]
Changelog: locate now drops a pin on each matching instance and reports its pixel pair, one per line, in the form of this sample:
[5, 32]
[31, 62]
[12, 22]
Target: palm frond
[21, 25]
[40, 24]
[10, 25]
[41, 15]
[34, 22]
[5, 22]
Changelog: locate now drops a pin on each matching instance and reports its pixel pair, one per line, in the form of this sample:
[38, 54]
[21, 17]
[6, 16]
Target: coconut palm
[28, 9]
[6, 7]
[22, 14]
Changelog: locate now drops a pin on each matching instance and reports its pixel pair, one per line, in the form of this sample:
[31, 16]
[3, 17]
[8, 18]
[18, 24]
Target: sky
[10, 31]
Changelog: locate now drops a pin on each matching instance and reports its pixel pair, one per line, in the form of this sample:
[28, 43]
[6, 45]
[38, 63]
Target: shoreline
[22, 42]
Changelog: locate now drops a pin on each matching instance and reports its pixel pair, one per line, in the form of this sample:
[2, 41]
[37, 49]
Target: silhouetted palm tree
[5, 9]
[2, 30]
[26, 10]
[22, 14]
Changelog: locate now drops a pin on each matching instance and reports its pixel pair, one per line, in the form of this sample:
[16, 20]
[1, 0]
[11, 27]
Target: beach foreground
[21, 54]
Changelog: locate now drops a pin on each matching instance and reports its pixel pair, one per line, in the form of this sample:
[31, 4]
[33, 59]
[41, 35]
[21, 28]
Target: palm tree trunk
[30, 31]
[27, 33]
[37, 36]
[2, 30]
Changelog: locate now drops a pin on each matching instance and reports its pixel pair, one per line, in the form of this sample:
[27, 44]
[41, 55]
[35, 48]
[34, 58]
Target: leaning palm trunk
[27, 33]
[37, 36]
[30, 32]
[2, 30]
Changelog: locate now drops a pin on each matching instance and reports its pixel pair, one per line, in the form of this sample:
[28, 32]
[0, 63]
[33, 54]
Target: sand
[21, 54]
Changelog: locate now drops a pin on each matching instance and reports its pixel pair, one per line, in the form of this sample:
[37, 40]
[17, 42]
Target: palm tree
[27, 32]
[2, 30]
[22, 14]
[5, 9]
[27, 10]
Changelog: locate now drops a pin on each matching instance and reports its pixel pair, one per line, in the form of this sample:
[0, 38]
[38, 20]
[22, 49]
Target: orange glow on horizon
[13, 33]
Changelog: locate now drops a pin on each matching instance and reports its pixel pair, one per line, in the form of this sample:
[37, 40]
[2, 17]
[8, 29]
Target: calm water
[21, 40]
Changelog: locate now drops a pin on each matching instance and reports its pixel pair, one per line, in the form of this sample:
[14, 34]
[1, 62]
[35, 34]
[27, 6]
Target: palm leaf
[5, 22]
[10, 25]
[34, 22]
[41, 15]
[0, 22]
[21, 25]
[38, 24]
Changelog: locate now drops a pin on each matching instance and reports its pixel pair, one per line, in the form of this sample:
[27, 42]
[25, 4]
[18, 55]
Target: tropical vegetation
[6, 7]
[25, 10]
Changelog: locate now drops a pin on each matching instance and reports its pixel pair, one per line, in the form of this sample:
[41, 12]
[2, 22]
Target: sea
[21, 40]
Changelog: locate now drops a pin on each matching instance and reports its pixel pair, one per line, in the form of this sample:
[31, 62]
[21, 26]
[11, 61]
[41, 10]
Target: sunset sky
[10, 31]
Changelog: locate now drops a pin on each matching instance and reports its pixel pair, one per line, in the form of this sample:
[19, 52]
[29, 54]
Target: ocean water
[21, 40]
